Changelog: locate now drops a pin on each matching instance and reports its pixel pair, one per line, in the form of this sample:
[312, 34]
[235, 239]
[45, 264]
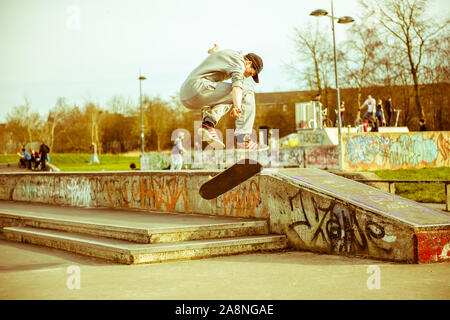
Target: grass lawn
[80, 161]
[422, 192]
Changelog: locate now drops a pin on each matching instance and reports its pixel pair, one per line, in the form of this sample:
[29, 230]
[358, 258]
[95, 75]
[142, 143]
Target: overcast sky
[93, 49]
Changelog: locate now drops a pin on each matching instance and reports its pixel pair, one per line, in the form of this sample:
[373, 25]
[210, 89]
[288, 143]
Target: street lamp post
[142, 114]
[346, 19]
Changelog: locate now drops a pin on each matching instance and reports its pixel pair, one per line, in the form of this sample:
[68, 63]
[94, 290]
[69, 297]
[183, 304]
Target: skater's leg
[245, 137]
[244, 125]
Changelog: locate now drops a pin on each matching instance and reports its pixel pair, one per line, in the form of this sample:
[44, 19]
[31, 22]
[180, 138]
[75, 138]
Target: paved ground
[12, 167]
[33, 272]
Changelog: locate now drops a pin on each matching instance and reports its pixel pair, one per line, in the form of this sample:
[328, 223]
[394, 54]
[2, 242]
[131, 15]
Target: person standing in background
[389, 110]
[342, 112]
[370, 103]
[422, 126]
[177, 153]
[379, 114]
[94, 157]
[44, 150]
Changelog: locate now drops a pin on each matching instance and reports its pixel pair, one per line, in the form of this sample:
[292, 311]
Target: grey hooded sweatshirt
[217, 67]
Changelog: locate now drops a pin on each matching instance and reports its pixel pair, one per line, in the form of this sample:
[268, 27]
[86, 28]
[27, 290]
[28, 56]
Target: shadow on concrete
[295, 257]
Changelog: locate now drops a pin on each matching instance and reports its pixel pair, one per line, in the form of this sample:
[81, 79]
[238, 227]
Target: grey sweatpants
[215, 100]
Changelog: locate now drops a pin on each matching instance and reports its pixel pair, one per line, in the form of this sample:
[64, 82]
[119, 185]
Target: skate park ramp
[316, 210]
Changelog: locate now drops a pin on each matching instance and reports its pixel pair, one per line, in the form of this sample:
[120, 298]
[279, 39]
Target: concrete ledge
[134, 234]
[317, 210]
[109, 231]
[126, 253]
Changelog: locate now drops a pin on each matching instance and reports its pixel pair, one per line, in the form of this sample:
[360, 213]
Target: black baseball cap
[257, 64]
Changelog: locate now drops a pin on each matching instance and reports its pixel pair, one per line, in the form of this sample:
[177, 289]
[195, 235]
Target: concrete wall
[158, 191]
[316, 149]
[374, 151]
[320, 157]
[316, 215]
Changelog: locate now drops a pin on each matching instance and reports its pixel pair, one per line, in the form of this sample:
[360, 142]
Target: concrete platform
[130, 225]
[133, 237]
[316, 210]
[128, 253]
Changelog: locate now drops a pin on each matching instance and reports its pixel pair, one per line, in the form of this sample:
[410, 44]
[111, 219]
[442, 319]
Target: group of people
[375, 113]
[35, 160]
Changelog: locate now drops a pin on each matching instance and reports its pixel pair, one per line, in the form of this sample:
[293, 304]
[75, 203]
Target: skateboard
[226, 180]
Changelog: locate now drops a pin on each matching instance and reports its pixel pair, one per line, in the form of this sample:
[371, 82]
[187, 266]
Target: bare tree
[436, 71]
[24, 123]
[408, 22]
[121, 104]
[313, 46]
[94, 112]
[56, 117]
[360, 59]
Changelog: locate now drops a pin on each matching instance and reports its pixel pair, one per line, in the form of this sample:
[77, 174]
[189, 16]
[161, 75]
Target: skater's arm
[236, 94]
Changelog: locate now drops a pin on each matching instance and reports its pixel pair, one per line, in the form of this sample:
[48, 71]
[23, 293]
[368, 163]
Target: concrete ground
[33, 272]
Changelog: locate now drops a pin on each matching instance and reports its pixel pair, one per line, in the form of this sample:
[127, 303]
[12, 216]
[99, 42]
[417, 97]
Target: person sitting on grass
[25, 159]
[36, 160]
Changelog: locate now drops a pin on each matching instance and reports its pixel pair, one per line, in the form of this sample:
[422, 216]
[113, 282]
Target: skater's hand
[213, 49]
[235, 113]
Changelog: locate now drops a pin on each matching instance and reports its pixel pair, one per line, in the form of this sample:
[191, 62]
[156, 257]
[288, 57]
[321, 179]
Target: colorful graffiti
[394, 151]
[325, 157]
[155, 161]
[242, 200]
[163, 192]
[166, 193]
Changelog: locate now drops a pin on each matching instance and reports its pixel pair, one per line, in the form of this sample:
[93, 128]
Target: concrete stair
[141, 244]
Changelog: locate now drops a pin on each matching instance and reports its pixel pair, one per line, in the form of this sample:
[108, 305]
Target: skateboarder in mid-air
[205, 90]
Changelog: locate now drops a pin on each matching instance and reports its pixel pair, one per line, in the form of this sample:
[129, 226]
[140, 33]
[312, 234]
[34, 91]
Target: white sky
[44, 54]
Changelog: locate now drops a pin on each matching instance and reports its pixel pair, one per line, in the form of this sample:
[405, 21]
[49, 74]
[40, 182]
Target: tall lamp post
[342, 20]
[142, 114]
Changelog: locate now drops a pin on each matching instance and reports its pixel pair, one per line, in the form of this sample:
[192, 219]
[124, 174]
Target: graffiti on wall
[242, 201]
[315, 137]
[168, 193]
[78, 192]
[310, 157]
[59, 190]
[163, 192]
[336, 228]
[394, 151]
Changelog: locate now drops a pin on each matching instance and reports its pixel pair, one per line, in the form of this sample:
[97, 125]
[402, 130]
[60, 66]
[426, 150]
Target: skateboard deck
[225, 181]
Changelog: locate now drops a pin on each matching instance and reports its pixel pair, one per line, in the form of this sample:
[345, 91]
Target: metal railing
[391, 182]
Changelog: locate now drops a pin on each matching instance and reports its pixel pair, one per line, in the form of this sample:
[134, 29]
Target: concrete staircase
[145, 242]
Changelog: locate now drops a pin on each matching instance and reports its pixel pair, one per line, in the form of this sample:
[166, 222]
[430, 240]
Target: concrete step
[172, 230]
[131, 253]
